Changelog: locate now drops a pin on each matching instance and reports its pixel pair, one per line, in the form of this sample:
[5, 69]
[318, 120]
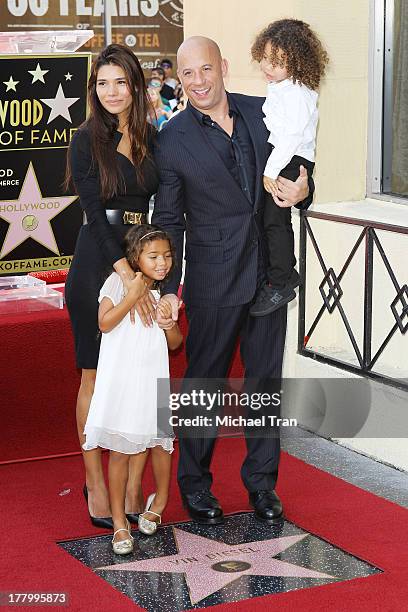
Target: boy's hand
[270, 185]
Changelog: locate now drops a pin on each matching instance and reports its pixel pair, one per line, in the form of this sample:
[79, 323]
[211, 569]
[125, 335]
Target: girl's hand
[175, 304]
[136, 287]
[164, 323]
[164, 307]
[164, 314]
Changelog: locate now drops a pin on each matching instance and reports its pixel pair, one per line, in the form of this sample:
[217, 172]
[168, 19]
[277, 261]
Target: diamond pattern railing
[331, 291]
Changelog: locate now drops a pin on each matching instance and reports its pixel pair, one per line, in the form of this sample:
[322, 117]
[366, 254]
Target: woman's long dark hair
[102, 124]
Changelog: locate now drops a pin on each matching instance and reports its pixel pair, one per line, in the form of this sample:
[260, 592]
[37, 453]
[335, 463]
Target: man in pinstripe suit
[211, 159]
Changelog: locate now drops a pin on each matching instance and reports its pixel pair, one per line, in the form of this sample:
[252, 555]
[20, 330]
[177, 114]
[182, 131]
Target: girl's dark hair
[138, 237]
[296, 46]
[102, 124]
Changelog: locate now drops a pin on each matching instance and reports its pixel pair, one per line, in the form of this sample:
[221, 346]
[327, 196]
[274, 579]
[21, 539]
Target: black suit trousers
[278, 230]
[212, 338]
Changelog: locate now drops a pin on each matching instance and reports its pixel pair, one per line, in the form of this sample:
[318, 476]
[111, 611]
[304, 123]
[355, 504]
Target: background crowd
[165, 92]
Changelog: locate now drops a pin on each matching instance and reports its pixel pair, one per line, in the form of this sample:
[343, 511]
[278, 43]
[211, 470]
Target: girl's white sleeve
[112, 289]
[297, 113]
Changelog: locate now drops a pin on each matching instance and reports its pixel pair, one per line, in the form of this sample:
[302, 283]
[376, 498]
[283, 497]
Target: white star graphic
[209, 565]
[59, 105]
[68, 76]
[11, 84]
[38, 74]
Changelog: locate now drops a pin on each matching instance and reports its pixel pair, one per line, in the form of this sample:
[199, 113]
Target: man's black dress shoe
[104, 522]
[267, 506]
[203, 507]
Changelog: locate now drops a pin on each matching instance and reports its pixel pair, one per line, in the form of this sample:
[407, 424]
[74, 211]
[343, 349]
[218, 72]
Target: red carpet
[40, 384]
[51, 276]
[34, 516]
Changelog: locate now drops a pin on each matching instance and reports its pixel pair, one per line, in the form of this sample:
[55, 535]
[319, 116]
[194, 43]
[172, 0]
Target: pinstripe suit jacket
[199, 198]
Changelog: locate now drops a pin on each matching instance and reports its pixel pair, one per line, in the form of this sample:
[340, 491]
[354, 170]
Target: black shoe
[133, 517]
[97, 521]
[268, 300]
[294, 279]
[203, 507]
[267, 506]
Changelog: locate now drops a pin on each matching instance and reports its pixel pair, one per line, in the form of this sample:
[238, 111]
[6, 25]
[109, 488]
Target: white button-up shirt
[291, 117]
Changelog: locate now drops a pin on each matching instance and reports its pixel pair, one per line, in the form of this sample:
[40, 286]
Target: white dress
[124, 414]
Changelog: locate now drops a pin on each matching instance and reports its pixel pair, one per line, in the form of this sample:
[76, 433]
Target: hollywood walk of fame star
[59, 105]
[68, 76]
[38, 74]
[210, 565]
[30, 215]
[11, 84]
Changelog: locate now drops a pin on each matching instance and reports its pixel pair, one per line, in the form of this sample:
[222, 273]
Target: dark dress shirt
[236, 151]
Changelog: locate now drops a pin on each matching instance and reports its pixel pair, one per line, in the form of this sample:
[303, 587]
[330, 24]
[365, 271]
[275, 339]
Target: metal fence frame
[331, 292]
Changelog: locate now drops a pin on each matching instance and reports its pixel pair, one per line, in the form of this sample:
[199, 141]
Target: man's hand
[291, 193]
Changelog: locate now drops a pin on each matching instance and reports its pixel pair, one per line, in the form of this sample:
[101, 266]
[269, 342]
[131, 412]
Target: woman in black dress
[111, 167]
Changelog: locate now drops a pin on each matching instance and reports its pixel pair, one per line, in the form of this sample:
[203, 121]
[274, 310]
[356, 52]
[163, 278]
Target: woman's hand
[126, 274]
[146, 308]
[144, 302]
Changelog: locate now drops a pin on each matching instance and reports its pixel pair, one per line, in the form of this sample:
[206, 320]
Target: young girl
[293, 61]
[124, 408]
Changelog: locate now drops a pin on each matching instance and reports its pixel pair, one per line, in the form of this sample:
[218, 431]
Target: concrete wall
[343, 27]
[340, 177]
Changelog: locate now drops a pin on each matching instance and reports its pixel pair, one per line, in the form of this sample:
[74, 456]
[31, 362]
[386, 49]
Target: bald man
[211, 160]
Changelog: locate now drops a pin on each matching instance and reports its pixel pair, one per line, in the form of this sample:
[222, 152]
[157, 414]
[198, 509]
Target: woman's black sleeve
[86, 181]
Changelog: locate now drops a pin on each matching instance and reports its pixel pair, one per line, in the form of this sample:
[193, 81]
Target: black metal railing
[332, 293]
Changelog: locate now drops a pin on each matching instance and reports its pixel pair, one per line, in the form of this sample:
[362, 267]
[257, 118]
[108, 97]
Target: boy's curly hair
[296, 46]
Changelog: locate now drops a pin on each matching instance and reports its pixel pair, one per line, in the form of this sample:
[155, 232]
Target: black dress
[99, 243]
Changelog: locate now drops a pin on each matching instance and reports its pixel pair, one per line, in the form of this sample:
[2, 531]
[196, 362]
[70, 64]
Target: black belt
[123, 217]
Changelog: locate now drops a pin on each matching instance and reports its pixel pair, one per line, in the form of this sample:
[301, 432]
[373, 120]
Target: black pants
[212, 337]
[278, 230]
